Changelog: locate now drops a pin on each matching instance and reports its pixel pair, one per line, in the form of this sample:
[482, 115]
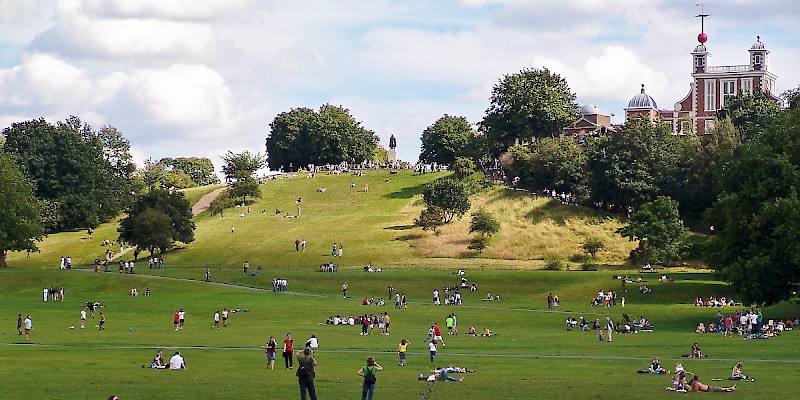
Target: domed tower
[758, 56]
[642, 104]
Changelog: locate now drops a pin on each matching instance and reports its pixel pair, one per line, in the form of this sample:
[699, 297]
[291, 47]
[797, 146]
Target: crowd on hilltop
[714, 302]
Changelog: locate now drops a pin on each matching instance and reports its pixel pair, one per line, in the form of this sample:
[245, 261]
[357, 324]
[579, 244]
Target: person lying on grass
[697, 386]
[440, 375]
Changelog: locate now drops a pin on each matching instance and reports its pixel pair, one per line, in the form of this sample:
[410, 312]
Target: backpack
[369, 375]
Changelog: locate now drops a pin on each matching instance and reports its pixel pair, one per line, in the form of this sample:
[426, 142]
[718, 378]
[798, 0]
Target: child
[600, 335]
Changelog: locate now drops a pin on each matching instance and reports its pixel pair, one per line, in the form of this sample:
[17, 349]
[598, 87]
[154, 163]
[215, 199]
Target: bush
[463, 167]
[478, 243]
[592, 245]
[554, 263]
[588, 266]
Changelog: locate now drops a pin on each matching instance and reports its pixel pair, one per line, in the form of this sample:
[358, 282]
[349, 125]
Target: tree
[447, 139]
[157, 220]
[303, 136]
[240, 169]
[532, 103]
[558, 165]
[199, 169]
[484, 223]
[448, 194]
[592, 245]
[463, 167]
[750, 113]
[431, 218]
[757, 214]
[20, 220]
[87, 173]
[478, 243]
[659, 229]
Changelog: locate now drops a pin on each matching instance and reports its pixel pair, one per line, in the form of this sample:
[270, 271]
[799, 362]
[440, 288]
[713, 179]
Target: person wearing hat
[305, 373]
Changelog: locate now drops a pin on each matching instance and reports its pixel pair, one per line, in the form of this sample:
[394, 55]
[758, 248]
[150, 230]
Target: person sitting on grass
[489, 297]
[736, 374]
[158, 361]
[697, 386]
[177, 361]
[655, 367]
[471, 331]
[486, 332]
[695, 351]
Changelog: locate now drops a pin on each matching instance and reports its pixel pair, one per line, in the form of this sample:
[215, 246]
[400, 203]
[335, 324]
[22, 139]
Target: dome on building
[701, 48]
[590, 109]
[758, 45]
[642, 100]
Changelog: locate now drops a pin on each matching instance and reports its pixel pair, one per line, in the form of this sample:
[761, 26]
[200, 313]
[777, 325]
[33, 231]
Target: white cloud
[182, 10]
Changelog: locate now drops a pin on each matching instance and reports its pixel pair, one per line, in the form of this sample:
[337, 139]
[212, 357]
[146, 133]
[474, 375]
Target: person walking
[369, 372]
[102, 322]
[609, 327]
[19, 324]
[305, 373]
[224, 317]
[333, 250]
[432, 349]
[245, 266]
[401, 352]
[216, 320]
[396, 299]
[344, 289]
[271, 348]
[403, 303]
[28, 324]
[208, 275]
[181, 318]
[297, 245]
[341, 250]
[288, 351]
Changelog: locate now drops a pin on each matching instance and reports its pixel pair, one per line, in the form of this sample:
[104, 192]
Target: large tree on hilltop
[749, 113]
[303, 136]
[87, 173]
[448, 138]
[532, 103]
[239, 170]
[157, 219]
[756, 245]
[20, 220]
[199, 169]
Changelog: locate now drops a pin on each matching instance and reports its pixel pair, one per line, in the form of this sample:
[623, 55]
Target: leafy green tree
[749, 113]
[447, 139]
[87, 173]
[431, 218]
[382, 155]
[303, 136]
[516, 162]
[791, 97]
[592, 245]
[532, 103]
[757, 214]
[478, 243]
[157, 220]
[659, 229]
[155, 175]
[557, 165]
[199, 169]
[450, 195]
[222, 202]
[20, 220]
[240, 169]
[484, 223]
[463, 167]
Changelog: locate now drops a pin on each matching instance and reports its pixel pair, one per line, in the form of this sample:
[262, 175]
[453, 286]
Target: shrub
[554, 263]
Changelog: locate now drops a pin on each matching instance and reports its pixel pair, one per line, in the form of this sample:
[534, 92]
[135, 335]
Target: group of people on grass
[177, 361]
[712, 301]
[606, 299]
[280, 284]
[747, 323]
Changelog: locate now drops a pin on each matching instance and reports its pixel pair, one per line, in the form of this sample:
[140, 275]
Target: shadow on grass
[399, 227]
[412, 236]
[560, 214]
[406, 193]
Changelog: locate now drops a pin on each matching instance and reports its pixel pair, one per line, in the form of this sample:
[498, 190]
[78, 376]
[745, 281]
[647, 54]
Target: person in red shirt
[288, 351]
[437, 334]
[176, 319]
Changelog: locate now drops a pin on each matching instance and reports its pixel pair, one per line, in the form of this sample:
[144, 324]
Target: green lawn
[532, 355]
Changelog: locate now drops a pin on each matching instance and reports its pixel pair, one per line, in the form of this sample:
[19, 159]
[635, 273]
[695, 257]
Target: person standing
[449, 323]
[176, 320]
[391, 289]
[216, 320]
[208, 275]
[102, 322]
[83, 317]
[403, 303]
[396, 300]
[305, 373]
[245, 266]
[609, 327]
[401, 352]
[28, 323]
[333, 250]
[432, 349]
[369, 372]
[344, 289]
[550, 300]
[181, 318]
[288, 351]
[386, 322]
[303, 244]
[233, 229]
[297, 245]
[224, 317]
[341, 250]
[437, 335]
[19, 324]
[271, 347]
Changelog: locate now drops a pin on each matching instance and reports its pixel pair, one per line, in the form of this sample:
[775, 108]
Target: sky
[185, 78]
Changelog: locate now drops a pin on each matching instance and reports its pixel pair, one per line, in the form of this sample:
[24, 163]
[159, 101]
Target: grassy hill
[374, 226]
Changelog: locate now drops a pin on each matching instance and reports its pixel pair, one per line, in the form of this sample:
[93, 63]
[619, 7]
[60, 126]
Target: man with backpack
[305, 373]
[369, 372]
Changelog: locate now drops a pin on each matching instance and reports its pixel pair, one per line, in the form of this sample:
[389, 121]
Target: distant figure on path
[333, 249]
[28, 323]
[208, 275]
[245, 266]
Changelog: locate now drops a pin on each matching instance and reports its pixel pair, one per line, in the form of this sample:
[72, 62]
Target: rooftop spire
[702, 37]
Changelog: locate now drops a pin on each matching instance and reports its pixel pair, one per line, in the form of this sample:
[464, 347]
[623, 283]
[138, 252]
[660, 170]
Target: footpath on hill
[206, 201]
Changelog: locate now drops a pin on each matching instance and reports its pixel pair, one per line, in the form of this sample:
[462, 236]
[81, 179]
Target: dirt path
[205, 201]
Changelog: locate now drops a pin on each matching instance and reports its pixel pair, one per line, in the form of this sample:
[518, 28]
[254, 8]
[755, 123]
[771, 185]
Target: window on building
[711, 95]
[747, 86]
[728, 89]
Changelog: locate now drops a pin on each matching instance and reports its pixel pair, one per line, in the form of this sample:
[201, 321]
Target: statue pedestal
[392, 157]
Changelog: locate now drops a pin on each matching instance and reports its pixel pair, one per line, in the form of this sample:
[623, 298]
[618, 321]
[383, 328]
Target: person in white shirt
[83, 318]
[177, 361]
[181, 318]
[216, 320]
[225, 317]
[312, 342]
[432, 349]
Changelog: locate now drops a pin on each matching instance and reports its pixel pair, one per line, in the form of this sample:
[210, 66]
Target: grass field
[531, 356]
